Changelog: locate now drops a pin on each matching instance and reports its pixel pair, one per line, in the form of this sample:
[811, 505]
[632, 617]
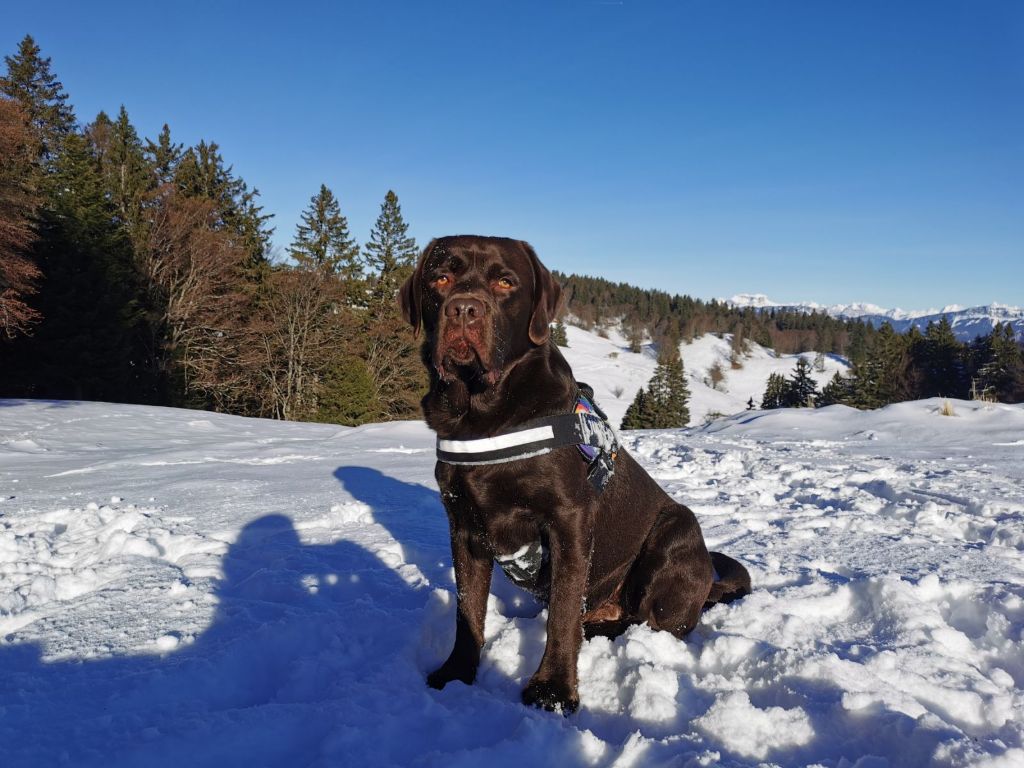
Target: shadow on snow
[316, 655]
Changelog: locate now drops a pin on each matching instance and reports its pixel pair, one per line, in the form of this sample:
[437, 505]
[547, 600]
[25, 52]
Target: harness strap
[533, 438]
[587, 429]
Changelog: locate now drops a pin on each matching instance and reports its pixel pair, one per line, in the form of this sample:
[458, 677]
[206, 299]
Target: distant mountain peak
[967, 322]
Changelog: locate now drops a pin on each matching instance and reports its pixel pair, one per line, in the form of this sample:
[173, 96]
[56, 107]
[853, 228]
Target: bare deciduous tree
[194, 270]
[18, 204]
[300, 329]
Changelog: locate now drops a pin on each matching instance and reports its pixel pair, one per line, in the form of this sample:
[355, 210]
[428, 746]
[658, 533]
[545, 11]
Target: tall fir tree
[665, 402]
[201, 172]
[866, 391]
[559, 335]
[30, 82]
[802, 389]
[837, 391]
[163, 156]
[776, 392]
[322, 240]
[85, 346]
[998, 366]
[944, 369]
[126, 176]
[636, 416]
[891, 351]
[390, 254]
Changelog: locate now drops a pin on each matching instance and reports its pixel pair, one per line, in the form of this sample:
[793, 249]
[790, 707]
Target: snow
[184, 588]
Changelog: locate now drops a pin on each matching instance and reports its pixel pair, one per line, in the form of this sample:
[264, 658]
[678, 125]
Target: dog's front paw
[448, 672]
[551, 695]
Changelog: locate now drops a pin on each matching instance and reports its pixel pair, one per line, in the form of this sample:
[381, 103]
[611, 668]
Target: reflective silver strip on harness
[538, 437]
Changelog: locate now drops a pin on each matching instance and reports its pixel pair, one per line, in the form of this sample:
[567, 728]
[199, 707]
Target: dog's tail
[733, 581]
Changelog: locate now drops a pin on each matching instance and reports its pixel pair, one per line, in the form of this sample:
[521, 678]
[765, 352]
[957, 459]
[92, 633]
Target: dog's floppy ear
[546, 295]
[409, 295]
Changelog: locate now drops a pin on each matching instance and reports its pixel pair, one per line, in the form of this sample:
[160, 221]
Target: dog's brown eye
[505, 282]
[443, 280]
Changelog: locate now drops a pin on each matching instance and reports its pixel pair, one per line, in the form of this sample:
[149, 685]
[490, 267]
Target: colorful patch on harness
[583, 405]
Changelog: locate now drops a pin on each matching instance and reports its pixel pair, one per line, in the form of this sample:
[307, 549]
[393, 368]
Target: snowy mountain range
[967, 322]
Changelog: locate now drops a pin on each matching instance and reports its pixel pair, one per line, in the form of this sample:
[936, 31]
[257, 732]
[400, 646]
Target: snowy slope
[185, 588]
[967, 322]
[609, 367]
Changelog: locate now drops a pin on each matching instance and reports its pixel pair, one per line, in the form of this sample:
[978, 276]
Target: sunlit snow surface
[187, 589]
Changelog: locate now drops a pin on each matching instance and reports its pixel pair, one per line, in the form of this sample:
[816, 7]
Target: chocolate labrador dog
[603, 554]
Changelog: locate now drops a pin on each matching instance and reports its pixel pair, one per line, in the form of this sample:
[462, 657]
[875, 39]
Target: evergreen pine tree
[30, 82]
[126, 176]
[163, 156]
[636, 414]
[838, 390]
[998, 365]
[391, 353]
[677, 411]
[802, 389]
[665, 403]
[890, 352]
[776, 392]
[390, 254]
[84, 348]
[944, 374]
[763, 336]
[347, 393]
[201, 172]
[865, 387]
[322, 240]
[559, 335]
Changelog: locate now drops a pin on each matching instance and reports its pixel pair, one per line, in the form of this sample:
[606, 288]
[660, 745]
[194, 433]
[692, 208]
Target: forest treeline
[892, 367]
[140, 270]
[885, 366]
[594, 301]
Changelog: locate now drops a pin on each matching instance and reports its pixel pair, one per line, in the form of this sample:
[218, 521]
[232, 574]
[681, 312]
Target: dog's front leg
[553, 685]
[473, 582]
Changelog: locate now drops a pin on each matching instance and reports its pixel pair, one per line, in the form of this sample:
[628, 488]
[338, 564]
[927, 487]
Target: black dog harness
[586, 427]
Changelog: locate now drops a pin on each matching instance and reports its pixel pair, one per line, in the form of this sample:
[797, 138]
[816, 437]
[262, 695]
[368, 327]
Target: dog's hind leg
[733, 580]
[671, 578]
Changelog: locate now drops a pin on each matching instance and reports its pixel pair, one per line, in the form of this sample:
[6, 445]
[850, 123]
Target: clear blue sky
[869, 151]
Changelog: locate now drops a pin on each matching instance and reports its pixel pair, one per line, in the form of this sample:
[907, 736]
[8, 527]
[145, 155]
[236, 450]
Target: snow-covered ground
[184, 588]
[616, 373]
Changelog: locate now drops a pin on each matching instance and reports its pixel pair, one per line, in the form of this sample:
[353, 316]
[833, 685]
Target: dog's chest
[493, 508]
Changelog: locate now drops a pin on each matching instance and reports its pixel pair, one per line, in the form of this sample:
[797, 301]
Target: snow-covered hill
[967, 322]
[184, 588]
[616, 373]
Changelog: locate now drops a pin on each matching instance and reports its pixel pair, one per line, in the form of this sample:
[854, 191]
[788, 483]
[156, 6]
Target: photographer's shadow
[295, 625]
[415, 517]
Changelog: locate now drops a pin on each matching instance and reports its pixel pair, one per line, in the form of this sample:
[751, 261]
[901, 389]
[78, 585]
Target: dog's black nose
[464, 308]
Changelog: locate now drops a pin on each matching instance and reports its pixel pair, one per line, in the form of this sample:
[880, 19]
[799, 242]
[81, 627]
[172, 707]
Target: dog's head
[483, 302]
